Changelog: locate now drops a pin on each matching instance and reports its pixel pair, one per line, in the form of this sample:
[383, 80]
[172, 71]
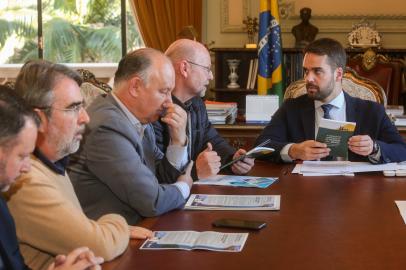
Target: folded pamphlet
[189, 240]
[253, 153]
[233, 202]
[237, 181]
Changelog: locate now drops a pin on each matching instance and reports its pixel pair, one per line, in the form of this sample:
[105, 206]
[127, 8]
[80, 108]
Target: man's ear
[43, 120]
[339, 74]
[183, 68]
[135, 85]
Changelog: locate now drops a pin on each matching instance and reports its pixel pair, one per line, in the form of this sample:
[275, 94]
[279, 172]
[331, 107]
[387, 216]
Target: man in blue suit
[293, 127]
[18, 133]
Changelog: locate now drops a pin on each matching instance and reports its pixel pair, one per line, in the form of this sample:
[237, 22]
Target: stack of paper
[221, 112]
[400, 121]
[323, 168]
[394, 110]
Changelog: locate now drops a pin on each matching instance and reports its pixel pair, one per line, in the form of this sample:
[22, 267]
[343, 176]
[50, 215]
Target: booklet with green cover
[335, 134]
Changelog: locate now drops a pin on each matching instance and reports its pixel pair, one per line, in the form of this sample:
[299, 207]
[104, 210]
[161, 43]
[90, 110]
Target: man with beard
[47, 213]
[18, 132]
[207, 148]
[293, 127]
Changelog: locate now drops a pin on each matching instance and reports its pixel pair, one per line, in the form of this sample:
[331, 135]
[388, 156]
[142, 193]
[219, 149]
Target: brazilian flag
[270, 50]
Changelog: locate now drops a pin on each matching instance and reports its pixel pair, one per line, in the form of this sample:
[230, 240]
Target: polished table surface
[335, 222]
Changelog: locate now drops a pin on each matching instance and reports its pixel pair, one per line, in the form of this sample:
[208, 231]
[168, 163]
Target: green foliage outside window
[74, 31]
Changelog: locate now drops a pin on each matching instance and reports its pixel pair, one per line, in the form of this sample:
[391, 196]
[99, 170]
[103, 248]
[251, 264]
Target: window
[73, 31]
[18, 31]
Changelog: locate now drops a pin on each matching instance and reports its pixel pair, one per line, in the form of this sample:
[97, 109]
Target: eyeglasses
[74, 108]
[208, 70]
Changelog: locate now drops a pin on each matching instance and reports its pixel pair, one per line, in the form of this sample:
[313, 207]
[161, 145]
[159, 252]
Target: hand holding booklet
[258, 151]
[189, 240]
[335, 134]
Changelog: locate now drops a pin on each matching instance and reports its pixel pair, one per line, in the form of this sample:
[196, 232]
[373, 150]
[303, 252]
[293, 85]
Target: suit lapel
[308, 118]
[350, 110]
[138, 139]
[351, 116]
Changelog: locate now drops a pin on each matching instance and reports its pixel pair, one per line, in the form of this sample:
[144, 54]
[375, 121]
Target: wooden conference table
[333, 222]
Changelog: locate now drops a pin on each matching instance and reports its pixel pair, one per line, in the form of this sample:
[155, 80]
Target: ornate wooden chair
[353, 84]
[388, 73]
[91, 87]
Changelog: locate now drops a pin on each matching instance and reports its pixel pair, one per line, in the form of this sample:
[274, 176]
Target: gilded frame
[225, 24]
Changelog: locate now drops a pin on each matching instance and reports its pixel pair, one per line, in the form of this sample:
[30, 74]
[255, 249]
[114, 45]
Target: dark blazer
[202, 133]
[294, 122]
[9, 249]
[117, 171]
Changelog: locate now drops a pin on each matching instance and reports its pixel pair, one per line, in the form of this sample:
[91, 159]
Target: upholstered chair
[388, 73]
[353, 84]
[91, 87]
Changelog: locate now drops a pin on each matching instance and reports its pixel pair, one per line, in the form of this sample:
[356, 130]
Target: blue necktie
[326, 108]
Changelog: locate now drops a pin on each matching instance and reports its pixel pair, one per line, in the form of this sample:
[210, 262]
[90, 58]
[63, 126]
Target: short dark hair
[14, 113]
[36, 79]
[336, 55]
[136, 63]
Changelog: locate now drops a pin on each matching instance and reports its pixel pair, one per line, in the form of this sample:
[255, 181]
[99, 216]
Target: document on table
[237, 181]
[233, 202]
[189, 240]
[341, 167]
[402, 209]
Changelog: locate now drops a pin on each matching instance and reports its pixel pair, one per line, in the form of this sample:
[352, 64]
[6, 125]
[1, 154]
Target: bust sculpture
[304, 32]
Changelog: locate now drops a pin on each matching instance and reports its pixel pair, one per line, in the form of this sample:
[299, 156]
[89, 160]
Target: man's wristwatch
[375, 149]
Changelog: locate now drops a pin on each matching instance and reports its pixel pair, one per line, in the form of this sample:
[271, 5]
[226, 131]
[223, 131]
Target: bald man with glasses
[191, 61]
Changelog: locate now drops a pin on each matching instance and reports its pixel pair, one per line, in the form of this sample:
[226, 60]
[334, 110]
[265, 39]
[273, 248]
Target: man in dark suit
[293, 127]
[18, 133]
[191, 61]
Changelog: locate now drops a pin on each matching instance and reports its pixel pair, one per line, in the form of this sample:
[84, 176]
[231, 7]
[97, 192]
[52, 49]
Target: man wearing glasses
[17, 140]
[207, 148]
[47, 213]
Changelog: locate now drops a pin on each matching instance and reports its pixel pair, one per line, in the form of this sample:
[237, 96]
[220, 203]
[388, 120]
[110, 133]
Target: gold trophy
[251, 26]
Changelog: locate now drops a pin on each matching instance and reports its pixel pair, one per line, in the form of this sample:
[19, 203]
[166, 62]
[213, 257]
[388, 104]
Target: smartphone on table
[239, 223]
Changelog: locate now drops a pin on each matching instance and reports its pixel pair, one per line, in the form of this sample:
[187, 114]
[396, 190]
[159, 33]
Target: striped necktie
[326, 109]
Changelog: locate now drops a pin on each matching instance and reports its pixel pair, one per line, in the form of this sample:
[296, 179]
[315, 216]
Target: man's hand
[308, 150]
[176, 119]
[79, 259]
[186, 177]
[139, 232]
[207, 163]
[242, 166]
[361, 144]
